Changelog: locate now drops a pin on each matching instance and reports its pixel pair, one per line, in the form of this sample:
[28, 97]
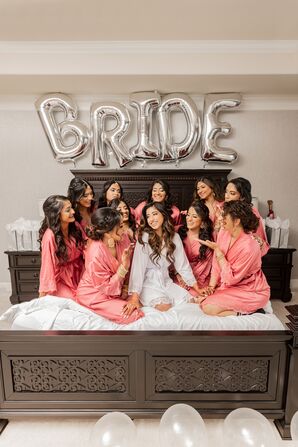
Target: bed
[142, 372]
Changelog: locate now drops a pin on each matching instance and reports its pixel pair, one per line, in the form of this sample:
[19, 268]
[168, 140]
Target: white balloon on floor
[182, 426]
[113, 430]
[294, 427]
[246, 427]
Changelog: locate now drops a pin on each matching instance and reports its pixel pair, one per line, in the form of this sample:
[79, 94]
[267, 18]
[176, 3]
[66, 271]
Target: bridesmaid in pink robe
[207, 190]
[237, 281]
[198, 226]
[240, 189]
[160, 192]
[111, 190]
[107, 261]
[62, 246]
[81, 194]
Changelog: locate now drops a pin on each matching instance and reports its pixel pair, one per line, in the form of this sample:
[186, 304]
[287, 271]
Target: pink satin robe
[260, 233]
[176, 216]
[60, 278]
[100, 288]
[201, 267]
[242, 284]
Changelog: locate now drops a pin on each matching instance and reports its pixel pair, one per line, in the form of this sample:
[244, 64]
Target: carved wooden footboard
[143, 373]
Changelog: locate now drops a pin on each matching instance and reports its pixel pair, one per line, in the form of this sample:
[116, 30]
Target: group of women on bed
[114, 259]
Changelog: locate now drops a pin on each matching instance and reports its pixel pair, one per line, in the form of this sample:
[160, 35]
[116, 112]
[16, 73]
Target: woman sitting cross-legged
[198, 226]
[237, 284]
[62, 245]
[158, 247]
[107, 261]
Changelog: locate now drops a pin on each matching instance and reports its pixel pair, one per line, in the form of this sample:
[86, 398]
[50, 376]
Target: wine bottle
[270, 209]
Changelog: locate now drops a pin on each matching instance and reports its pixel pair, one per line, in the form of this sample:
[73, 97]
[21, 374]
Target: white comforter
[52, 313]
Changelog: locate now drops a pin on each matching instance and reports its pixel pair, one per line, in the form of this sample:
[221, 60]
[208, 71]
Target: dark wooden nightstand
[24, 269]
[277, 266]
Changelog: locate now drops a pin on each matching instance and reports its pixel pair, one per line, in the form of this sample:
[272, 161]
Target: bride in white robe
[150, 281]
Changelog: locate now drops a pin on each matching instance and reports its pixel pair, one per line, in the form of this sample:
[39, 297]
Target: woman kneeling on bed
[237, 285]
[158, 247]
[107, 261]
[62, 244]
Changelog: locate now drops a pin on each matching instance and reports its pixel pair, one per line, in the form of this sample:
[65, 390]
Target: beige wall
[265, 140]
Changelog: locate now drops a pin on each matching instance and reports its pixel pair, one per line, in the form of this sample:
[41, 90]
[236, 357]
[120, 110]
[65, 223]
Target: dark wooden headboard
[136, 183]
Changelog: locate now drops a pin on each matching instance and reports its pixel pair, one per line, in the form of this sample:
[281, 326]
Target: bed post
[291, 403]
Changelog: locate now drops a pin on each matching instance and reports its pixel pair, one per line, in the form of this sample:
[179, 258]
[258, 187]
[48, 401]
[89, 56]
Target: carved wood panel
[98, 374]
[178, 375]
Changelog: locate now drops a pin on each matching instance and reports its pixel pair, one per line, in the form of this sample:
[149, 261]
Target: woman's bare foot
[163, 307]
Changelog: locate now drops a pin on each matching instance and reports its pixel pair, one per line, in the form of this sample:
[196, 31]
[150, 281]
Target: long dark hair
[102, 201]
[76, 190]
[103, 220]
[243, 186]
[239, 209]
[131, 220]
[166, 187]
[52, 208]
[213, 184]
[206, 229]
[156, 242]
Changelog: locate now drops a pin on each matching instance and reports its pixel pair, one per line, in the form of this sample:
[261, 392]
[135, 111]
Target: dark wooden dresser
[24, 273]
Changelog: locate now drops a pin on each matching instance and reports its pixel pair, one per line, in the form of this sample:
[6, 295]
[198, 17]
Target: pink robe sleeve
[138, 212]
[260, 233]
[247, 259]
[103, 278]
[49, 270]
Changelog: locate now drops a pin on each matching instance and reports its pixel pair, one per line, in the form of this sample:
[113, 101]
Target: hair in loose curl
[238, 209]
[206, 229]
[76, 190]
[212, 184]
[103, 220]
[102, 201]
[156, 242]
[52, 208]
[131, 220]
[243, 186]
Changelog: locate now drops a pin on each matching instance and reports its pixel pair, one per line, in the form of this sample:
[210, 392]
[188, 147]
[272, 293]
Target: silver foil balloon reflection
[145, 103]
[213, 128]
[57, 133]
[104, 140]
[171, 151]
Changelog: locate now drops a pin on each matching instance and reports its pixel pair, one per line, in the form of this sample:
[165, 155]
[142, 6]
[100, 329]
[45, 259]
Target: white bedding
[52, 313]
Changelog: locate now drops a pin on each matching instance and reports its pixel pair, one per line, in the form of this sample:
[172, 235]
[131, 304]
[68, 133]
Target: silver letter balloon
[171, 151]
[213, 128]
[47, 106]
[145, 103]
[104, 139]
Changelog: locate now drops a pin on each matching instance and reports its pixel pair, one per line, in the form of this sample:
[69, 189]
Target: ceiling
[148, 19]
[69, 22]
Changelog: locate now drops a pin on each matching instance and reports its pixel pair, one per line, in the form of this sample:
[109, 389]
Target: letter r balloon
[104, 139]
